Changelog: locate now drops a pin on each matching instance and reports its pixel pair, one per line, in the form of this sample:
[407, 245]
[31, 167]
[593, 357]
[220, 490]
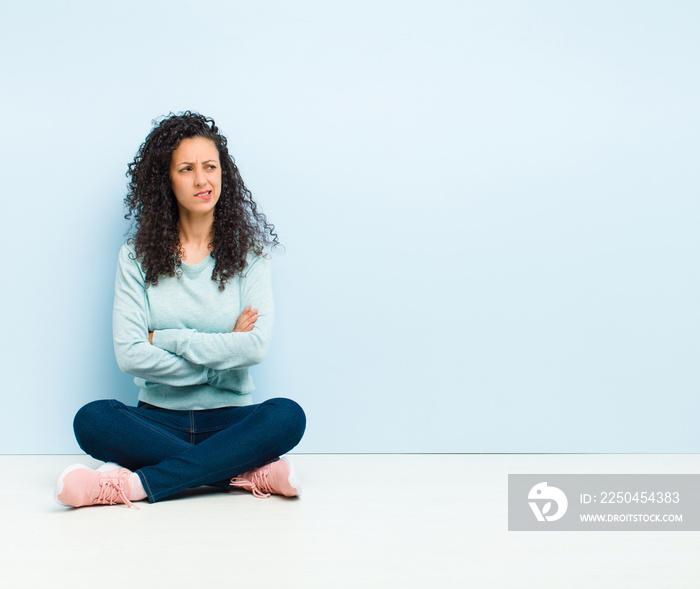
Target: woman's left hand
[246, 320]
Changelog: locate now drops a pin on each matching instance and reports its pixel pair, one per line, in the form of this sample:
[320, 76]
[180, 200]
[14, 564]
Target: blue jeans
[176, 450]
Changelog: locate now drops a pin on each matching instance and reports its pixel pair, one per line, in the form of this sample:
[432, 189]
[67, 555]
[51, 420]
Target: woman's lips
[204, 195]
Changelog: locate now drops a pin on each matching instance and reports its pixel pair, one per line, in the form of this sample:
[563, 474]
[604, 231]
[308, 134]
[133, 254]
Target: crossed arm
[245, 322]
[182, 357]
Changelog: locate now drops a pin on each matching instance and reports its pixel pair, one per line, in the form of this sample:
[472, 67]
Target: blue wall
[490, 211]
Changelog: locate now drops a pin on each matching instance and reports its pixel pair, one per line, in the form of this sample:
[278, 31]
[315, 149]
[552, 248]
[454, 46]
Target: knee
[292, 416]
[89, 422]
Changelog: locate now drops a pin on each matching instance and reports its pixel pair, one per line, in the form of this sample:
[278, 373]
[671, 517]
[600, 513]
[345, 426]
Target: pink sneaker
[278, 477]
[79, 485]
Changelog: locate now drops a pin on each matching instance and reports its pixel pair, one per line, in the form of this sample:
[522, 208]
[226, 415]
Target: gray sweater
[196, 361]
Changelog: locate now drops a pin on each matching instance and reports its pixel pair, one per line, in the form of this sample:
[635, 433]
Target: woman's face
[195, 176]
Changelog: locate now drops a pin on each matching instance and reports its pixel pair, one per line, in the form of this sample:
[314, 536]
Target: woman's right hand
[246, 321]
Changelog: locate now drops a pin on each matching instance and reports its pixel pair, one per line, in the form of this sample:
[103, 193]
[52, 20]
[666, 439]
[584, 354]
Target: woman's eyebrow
[192, 163]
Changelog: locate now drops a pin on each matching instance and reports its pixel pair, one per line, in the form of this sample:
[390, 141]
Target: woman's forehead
[195, 149]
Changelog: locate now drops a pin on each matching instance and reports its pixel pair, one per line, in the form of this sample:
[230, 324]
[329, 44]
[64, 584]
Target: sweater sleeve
[227, 351]
[135, 355]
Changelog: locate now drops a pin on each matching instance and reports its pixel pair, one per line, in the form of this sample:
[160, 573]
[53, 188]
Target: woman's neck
[196, 234]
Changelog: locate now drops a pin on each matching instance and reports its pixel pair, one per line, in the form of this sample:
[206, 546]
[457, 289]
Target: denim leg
[265, 432]
[113, 432]
[175, 450]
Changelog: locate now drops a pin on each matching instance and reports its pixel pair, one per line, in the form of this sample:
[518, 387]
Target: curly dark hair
[239, 226]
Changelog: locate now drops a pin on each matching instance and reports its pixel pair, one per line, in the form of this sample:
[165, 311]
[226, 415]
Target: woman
[192, 312]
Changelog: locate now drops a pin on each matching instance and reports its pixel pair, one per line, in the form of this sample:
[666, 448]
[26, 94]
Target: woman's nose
[199, 177]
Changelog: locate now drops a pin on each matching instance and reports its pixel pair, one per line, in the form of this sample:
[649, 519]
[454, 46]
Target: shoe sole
[293, 478]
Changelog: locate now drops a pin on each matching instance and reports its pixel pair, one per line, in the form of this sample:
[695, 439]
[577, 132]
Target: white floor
[428, 521]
